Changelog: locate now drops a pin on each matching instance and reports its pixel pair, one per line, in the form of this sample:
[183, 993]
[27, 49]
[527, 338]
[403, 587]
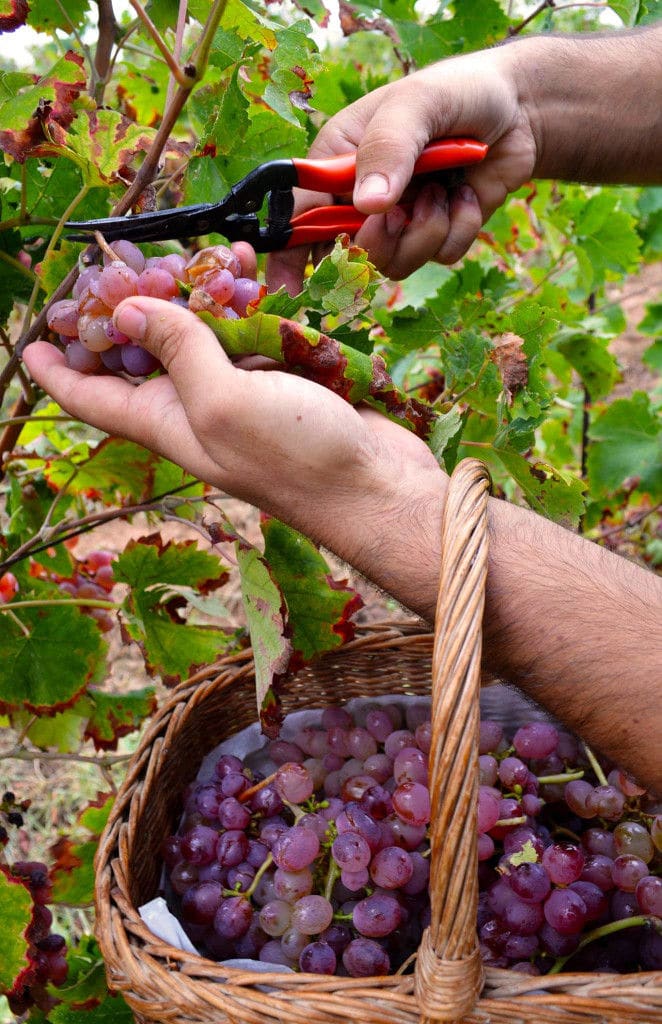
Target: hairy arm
[579, 629]
[593, 103]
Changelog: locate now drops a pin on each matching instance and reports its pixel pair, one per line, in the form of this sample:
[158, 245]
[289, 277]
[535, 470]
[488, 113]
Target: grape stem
[599, 933]
[507, 822]
[332, 874]
[243, 797]
[548, 780]
[595, 765]
[264, 866]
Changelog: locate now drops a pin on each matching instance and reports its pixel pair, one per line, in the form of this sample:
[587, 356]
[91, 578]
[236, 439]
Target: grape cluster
[211, 281]
[323, 865]
[46, 954]
[92, 577]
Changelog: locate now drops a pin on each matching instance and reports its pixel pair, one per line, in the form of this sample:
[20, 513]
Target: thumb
[186, 347]
[390, 146]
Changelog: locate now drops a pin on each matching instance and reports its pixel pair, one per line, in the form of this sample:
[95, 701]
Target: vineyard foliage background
[169, 104]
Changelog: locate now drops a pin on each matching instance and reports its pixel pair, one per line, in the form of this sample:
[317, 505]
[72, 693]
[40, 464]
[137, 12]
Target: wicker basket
[162, 983]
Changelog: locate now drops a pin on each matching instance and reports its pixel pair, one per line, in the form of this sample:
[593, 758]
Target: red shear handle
[337, 174]
[324, 223]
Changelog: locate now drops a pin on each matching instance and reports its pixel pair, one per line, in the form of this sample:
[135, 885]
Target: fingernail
[395, 221]
[467, 193]
[131, 320]
[373, 186]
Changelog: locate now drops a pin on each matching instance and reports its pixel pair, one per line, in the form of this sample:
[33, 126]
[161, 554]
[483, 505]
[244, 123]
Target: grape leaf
[627, 10]
[63, 732]
[229, 119]
[104, 143]
[272, 650]
[652, 322]
[348, 372]
[50, 15]
[72, 873]
[13, 14]
[593, 362]
[113, 715]
[343, 283]
[112, 1009]
[47, 670]
[170, 644]
[553, 494]
[626, 441]
[446, 427]
[319, 609]
[115, 470]
[36, 119]
[653, 356]
[16, 915]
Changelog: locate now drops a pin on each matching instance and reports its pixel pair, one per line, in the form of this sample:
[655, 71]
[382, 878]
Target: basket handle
[449, 971]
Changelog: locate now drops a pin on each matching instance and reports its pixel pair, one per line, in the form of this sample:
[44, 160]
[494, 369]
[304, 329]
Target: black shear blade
[154, 227]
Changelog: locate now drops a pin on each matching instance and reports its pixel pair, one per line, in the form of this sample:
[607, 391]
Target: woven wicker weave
[162, 983]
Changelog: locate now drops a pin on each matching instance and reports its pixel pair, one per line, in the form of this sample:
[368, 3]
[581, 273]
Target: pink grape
[157, 283]
[536, 740]
[63, 317]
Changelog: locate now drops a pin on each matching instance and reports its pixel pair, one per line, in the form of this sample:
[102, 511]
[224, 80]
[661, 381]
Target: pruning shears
[237, 216]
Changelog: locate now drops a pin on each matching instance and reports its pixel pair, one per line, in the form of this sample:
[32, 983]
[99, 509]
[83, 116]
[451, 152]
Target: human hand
[474, 95]
[289, 446]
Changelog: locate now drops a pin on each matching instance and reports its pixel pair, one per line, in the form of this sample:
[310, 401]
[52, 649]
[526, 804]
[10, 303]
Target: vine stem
[86, 602]
[639, 518]
[65, 530]
[514, 30]
[179, 43]
[23, 754]
[175, 70]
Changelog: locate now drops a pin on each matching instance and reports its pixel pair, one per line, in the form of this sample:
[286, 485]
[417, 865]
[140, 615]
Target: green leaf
[170, 644]
[72, 873]
[446, 427]
[114, 715]
[112, 1009]
[608, 235]
[343, 283]
[16, 915]
[104, 141]
[46, 670]
[229, 121]
[265, 613]
[627, 10]
[590, 357]
[116, 470]
[653, 356]
[626, 441]
[553, 494]
[35, 120]
[652, 322]
[49, 15]
[319, 609]
[63, 732]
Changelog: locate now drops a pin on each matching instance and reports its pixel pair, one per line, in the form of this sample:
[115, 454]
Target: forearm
[594, 104]
[576, 627]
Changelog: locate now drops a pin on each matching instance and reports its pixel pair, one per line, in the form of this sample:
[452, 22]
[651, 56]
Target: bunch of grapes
[323, 865]
[47, 962]
[211, 281]
[91, 578]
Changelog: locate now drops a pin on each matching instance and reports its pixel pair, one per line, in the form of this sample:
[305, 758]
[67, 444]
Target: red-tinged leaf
[319, 609]
[117, 714]
[105, 145]
[272, 650]
[352, 374]
[36, 121]
[511, 363]
[95, 815]
[110, 1009]
[72, 873]
[118, 470]
[170, 644]
[16, 915]
[48, 659]
[13, 14]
